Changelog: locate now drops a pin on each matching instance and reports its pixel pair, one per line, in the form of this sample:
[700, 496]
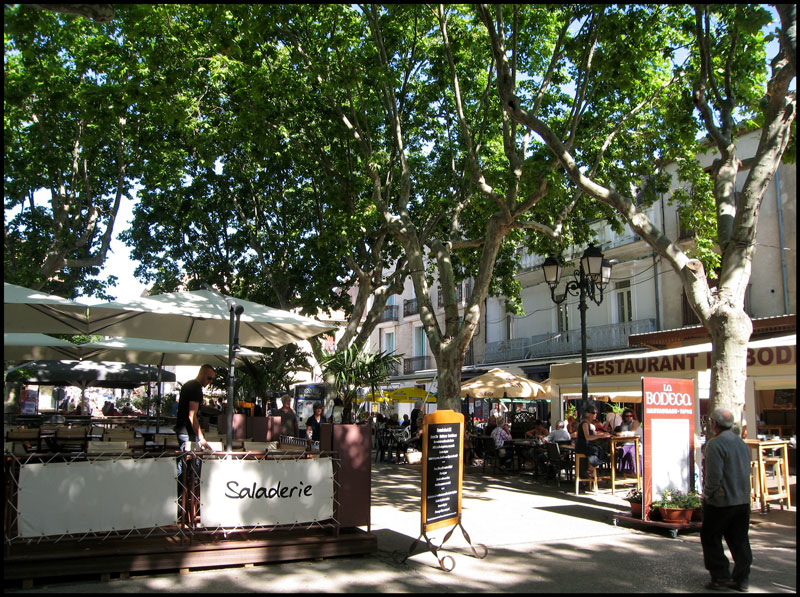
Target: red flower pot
[676, 515]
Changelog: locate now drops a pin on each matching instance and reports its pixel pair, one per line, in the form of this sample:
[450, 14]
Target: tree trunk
[730, 330]
[448, 370]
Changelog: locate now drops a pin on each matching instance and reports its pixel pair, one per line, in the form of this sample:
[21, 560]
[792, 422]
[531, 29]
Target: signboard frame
[442, 468]
[668, 409]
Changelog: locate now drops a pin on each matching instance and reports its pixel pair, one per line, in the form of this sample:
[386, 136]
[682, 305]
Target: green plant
[572, 411]
[616, 408]
[676, 499]
[634, 496]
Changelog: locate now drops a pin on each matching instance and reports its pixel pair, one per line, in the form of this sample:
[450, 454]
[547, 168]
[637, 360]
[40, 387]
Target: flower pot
[676, 515]
[636, 508]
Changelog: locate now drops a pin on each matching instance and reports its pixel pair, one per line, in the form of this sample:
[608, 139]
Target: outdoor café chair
[71, 439]
[25, 440]
[558, 462]
[490, 454]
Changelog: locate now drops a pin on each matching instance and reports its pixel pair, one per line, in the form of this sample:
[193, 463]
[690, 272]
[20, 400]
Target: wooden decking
[37, 563]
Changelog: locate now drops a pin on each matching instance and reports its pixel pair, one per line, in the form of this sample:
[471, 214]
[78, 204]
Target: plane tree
[720, 89]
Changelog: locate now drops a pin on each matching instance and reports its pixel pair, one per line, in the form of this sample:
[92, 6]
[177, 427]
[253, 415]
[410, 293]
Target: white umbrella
[499, 383]
[204, 316]
[37, 347]
[26, 310]
[160, 352]
[200, 316]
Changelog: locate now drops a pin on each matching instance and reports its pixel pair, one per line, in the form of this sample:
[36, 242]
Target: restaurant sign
[442, 469]
[668, 419]
[764, 356]
[266, 492]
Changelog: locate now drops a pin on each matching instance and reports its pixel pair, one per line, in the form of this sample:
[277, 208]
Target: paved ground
[540, 539]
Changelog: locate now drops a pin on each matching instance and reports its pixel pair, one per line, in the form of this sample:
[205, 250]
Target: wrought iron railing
[410, 307]
[414, 364]
[602, 337]
[390, 313]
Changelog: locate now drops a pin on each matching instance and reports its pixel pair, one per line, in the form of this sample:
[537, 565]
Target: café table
[522, 447]
[615, 440]
[773, 452]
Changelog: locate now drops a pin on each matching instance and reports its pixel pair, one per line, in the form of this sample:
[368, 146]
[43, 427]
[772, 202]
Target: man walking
[726, 508]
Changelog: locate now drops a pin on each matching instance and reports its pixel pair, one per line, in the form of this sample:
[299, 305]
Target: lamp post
[590, 279]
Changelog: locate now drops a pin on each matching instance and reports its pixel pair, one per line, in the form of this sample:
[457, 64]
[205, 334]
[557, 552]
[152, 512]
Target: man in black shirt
[188, 427]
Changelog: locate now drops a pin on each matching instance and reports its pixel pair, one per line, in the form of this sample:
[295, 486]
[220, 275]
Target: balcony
[390, 313]
[410, 307]
[415, 364]
[598, 338]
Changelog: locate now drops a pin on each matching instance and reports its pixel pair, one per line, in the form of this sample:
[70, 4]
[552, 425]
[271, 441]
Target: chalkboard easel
[442, 477]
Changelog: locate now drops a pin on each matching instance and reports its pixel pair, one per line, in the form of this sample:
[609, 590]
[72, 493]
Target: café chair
[558, 462]
[490, 454]
[71, 439]
[25, 441]
[117, 434]
[102, 450]
[580, 469]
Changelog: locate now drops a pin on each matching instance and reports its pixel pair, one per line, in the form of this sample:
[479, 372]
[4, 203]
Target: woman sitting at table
[586, 442]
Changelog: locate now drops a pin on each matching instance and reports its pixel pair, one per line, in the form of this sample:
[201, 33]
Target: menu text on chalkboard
[442, 473]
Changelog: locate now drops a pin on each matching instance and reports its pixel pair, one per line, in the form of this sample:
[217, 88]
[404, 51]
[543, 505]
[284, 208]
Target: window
[388, 342]
[624, 301]
[563, 317]
[419, 341]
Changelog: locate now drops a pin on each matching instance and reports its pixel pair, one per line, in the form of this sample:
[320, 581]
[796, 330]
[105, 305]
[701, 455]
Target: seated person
[559, 434]
[501, 435]
[412, 442]
[538, 430]
[629, 422]
[587, 441]
[491, 424]
[406, 422]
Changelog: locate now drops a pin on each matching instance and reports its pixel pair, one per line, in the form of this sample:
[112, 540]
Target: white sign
[97, 496]
[265, 492]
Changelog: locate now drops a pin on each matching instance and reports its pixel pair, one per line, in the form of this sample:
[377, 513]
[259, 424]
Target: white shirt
[558, 435]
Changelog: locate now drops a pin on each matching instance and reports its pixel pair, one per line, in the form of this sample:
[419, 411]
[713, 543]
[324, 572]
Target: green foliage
[350, 369]
[676, 499]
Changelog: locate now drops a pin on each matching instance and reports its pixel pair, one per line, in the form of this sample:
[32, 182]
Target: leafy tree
[353, 368]
[724, 80]
[78, 99]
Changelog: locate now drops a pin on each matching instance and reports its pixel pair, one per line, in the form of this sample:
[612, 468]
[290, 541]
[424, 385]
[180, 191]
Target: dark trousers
[733, 524]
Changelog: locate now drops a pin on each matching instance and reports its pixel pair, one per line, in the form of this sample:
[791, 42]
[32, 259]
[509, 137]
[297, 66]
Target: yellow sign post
[442, 478]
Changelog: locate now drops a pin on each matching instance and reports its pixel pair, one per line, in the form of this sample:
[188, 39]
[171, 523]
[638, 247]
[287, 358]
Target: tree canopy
[318, 156]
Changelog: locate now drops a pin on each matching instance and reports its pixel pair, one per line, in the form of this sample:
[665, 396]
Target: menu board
[442, 468]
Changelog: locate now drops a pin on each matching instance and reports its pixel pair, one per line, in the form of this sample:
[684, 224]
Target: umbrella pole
[147, 404]
[158, 401]
[233, 344]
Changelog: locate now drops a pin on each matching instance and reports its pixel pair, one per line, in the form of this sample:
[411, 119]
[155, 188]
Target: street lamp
[590, 280]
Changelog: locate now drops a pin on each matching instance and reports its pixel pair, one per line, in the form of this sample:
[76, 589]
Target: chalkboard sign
[442, 468]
